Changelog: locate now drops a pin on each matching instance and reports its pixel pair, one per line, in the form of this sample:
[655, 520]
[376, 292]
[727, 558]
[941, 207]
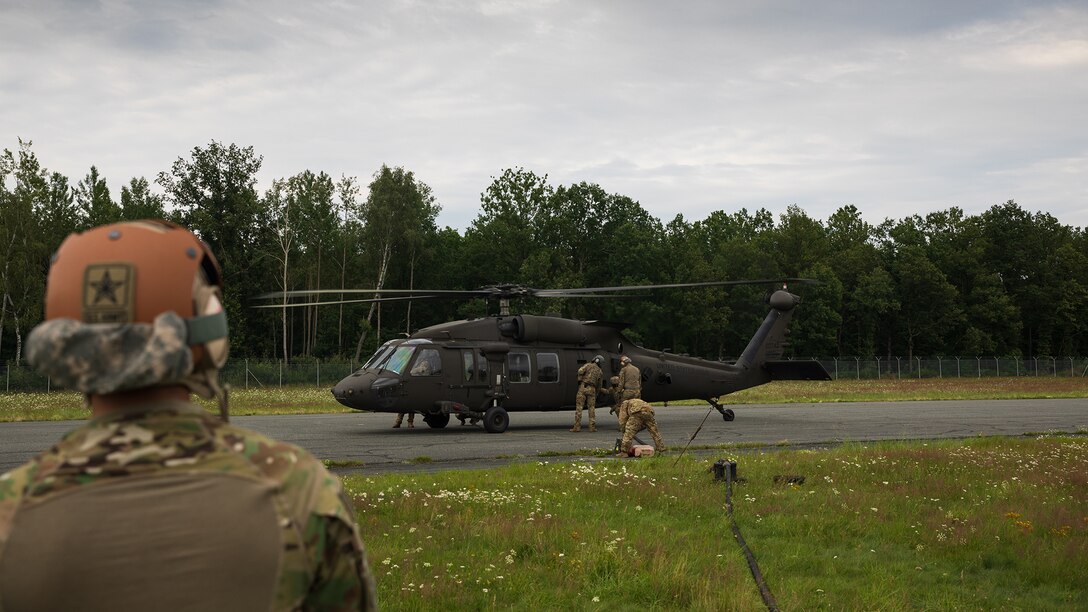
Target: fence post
[7, 377]
[247, 374]
[836, 368]
[940, 368]
[1070, 367]
[1036, 366]
[280, 361]
[857, 363]
[48, 384]
[1054, 364]
[318, 362]
[1016, 362]
[878, 374]
[898, 368]
[919, 367]
[979, 360]
[997, 365]
[958, 375]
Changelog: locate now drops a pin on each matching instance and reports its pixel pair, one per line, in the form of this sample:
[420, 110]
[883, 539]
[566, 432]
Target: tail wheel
[496, 419]
[437, 421]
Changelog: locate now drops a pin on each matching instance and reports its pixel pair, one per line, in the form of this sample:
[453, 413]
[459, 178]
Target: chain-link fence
[250, 373]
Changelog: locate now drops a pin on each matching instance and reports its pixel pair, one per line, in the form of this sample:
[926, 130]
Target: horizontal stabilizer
[797, 370]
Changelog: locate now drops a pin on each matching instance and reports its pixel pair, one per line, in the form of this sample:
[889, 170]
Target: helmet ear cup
[207, 301]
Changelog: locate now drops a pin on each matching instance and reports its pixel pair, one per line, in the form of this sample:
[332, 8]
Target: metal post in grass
[878, 374]
[247, 374]
[1016, 362]
[940, 368]
[280, 361]
[318, 362]
[1054, 364]
[958, 375]
[48, 384]
[919, 367]
[7, 378]
[898, 367]
[857, 362]
[979, 359]
[836, 368]
[1036, 366]
[1070, 367]
[997, 365]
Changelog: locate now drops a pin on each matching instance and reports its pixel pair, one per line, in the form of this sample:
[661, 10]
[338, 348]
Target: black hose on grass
[764, 590]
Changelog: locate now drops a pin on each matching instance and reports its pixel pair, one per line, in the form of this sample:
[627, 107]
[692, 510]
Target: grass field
[59, 406]
[981, 524]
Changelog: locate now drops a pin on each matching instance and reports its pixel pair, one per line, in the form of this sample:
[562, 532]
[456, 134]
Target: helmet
[625, 359]
[615, 380]
[598, 359]
[133, 305]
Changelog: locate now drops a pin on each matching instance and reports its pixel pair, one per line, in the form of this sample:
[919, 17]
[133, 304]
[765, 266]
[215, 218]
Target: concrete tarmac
[367, 442]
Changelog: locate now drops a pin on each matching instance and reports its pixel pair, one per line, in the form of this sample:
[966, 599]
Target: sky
[897, 108]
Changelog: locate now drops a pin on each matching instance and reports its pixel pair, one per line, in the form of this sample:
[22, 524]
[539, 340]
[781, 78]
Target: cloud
[687, 108]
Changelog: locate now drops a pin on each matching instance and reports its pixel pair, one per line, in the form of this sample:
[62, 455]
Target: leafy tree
[92, 195]
[214, 194]
[138, 202]
[397, 207]
[928, 304]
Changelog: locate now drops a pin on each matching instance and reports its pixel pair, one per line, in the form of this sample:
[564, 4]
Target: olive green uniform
[640, 415]
[167, 507]
[630, 387]
[589, 384]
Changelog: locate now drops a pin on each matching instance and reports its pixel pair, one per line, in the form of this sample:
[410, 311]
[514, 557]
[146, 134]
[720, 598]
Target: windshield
[379, 355]
[395, 359]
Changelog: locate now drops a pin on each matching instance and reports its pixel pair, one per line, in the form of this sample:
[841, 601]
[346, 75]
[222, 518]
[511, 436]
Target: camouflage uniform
[168, 507]
[589, 383]
[640, 415]
[630, 387]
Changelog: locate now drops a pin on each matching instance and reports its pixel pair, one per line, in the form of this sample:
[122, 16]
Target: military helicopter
[485, 368]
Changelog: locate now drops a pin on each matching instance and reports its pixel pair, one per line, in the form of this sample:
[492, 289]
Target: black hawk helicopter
[486, 367]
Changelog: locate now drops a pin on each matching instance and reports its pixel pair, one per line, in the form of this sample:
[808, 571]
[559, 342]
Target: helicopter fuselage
[530, 363]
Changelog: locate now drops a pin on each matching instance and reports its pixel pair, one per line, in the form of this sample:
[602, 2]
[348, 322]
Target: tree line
[1003, 282]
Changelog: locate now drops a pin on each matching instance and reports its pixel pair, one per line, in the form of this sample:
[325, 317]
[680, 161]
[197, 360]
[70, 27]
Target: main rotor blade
[388, 299]
[763, 281]
[453, 293]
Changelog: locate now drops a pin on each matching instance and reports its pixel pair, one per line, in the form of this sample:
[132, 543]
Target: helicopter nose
[353, 390]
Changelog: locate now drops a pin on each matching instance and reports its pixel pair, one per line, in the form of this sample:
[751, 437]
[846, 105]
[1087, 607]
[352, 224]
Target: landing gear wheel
[496, 419]
[437, 421]
[728, 415]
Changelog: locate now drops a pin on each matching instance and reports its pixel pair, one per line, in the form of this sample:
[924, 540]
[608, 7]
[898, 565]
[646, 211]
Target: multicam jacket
[168, 507]
[590, 374]
[630, 381]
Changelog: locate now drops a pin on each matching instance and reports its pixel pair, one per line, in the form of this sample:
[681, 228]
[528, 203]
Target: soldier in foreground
[154, 503]
[640, 415]
[589, 385]
[630, 387]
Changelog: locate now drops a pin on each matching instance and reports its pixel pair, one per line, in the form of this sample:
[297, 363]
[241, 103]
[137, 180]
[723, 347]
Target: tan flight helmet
[132, 305]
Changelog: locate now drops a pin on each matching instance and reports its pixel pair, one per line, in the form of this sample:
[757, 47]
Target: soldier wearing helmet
[589, 385]
[154, 503]
[630, 387]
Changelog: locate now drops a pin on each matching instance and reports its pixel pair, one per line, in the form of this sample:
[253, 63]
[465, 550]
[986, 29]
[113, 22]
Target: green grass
[61, 405]
[985, 523]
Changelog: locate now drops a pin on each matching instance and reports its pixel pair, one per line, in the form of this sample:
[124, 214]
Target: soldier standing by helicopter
[630, 387]
[589, 385]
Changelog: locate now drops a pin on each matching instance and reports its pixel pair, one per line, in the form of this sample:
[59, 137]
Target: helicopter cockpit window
[379, 355]
[547, 367]
[428, 363]
[396, 361]
[518, 369]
